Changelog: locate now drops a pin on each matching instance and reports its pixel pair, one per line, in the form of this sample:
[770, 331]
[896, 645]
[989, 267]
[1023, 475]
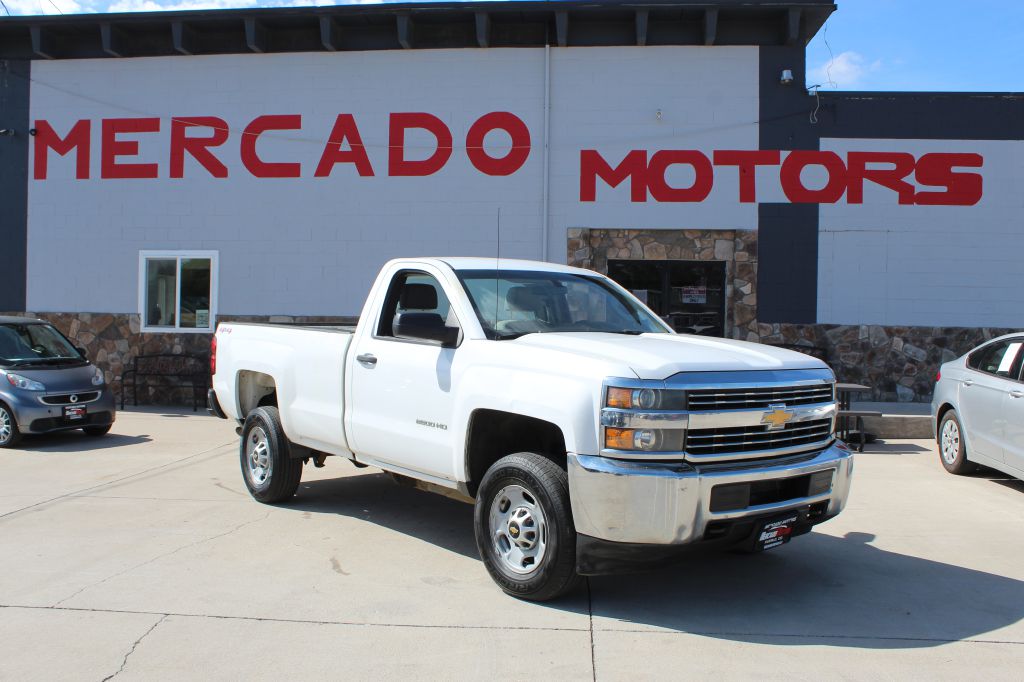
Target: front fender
[568, 402]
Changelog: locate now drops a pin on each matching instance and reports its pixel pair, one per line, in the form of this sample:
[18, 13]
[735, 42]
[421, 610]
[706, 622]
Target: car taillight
[938, 375]
[213, 356]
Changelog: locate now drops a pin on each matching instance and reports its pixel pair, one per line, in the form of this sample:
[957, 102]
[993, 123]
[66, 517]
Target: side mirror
[425, 327]
[81, 351]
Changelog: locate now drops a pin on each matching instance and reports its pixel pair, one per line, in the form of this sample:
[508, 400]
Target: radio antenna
[497, 266]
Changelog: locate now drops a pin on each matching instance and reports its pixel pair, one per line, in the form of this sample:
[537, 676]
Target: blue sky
[973, 45]
[969, 45]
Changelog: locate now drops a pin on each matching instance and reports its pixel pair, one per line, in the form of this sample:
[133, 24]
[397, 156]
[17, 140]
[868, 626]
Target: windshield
[34, 343]
[510, 303]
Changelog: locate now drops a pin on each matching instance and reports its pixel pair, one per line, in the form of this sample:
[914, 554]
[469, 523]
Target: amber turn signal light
[618, 439]
[620, 397]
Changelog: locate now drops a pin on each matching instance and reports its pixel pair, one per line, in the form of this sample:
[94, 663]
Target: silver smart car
[46, 384]
[978, 408]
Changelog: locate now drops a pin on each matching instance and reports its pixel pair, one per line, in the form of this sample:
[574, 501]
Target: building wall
[886, 290]
[311, 245]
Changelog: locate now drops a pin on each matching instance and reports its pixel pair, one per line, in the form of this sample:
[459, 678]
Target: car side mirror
[425, 327]
[81, 351]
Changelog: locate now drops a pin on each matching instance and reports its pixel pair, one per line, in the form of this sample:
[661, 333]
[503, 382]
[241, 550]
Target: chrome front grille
[758, 398]
[65, 399]
[723, 442]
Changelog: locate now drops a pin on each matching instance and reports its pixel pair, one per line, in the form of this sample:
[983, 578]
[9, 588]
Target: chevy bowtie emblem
[777, 416]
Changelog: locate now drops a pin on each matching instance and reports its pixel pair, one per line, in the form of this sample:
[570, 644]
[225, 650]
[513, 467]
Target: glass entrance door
[689, 295]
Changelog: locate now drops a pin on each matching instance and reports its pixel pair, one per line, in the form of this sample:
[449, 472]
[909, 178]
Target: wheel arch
[254, 389]
[940, 413]
[492, 434]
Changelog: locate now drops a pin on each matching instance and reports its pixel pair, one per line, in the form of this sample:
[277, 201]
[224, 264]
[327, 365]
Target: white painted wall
[958, 266]
[311, 246]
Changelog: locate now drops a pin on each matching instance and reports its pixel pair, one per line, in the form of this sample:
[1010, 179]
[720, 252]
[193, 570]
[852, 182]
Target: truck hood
[659, 356]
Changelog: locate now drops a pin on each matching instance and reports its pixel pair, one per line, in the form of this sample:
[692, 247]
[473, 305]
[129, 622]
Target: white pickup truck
[590, 437]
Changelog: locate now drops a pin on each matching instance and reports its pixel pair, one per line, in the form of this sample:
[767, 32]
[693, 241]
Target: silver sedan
[978, 408]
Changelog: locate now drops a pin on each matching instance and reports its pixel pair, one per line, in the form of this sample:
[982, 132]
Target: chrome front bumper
[670, 504]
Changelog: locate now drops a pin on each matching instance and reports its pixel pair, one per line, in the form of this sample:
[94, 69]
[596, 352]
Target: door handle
[968, 382]
[1017, 394]
[368, 360]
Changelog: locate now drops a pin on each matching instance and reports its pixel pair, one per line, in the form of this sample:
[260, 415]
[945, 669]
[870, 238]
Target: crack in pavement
[131, 651]
[702, 633]
[114, 483]
[296, 621]
[162, 556]
[590, 620]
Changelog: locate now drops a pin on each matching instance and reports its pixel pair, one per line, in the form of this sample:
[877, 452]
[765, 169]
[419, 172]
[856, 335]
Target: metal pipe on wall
[546, 190]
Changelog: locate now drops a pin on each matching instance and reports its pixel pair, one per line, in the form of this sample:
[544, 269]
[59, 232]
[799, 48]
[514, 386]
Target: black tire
[546, 485]
[11, 435]
[97, 431]
[952, 451]
[282, 480]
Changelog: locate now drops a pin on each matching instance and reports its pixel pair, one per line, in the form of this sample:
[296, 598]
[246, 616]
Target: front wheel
[524, 527]
[9, 433]
[269, 471]
[952, 450]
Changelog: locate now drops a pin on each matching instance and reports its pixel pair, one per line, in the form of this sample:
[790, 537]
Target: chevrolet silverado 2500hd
[590, 437]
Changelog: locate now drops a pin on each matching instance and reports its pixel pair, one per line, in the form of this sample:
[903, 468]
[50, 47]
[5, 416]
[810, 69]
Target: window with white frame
[178, 291]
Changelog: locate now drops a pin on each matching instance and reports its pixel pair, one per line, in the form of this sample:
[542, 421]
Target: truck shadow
[376, 498]
[818, 590]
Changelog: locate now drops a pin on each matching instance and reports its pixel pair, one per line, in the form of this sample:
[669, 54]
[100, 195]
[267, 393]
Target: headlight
[21, 382]
[645, 399]
[647, 440]
[97, 377]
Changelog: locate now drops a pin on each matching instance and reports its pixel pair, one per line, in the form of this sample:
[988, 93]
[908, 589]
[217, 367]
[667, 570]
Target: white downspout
[546, 191]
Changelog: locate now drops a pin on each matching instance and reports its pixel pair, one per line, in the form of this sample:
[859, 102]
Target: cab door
[983, 394]
[402, 402]
[1013, 416]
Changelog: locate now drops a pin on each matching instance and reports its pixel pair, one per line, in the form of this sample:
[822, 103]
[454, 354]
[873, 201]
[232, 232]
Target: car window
[998, 358]
[34, 343]
[414, 292]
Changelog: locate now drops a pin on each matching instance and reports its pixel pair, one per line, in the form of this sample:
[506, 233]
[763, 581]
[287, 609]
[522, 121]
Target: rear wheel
[269, 472]
[97, 431]
[9, 433]
[952, 451]
[524, 527]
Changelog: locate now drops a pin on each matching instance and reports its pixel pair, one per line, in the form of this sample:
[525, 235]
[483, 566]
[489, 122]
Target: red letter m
[77, 139]
[592, 167]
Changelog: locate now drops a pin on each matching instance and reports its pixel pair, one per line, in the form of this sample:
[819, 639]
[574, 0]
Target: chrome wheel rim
[950, 442]
[519, 531]
[6, 425]
[257, 456]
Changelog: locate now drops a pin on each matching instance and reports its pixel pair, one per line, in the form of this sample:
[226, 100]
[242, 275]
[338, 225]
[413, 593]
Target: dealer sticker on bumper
[775, 533]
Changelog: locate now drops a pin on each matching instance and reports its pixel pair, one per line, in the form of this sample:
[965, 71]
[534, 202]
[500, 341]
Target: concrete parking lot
[141, 556]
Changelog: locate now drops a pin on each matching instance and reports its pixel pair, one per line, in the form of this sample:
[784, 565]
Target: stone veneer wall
[898, 363]
[112, 341]
[592, 248]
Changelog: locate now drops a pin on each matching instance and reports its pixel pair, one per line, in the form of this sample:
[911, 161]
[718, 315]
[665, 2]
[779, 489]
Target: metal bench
[174, 370]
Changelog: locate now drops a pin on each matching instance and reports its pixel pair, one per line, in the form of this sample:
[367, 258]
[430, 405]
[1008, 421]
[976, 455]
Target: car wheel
[268, 469]
[97, 431]
[952, 451]
[9, 433]
[524, 527]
